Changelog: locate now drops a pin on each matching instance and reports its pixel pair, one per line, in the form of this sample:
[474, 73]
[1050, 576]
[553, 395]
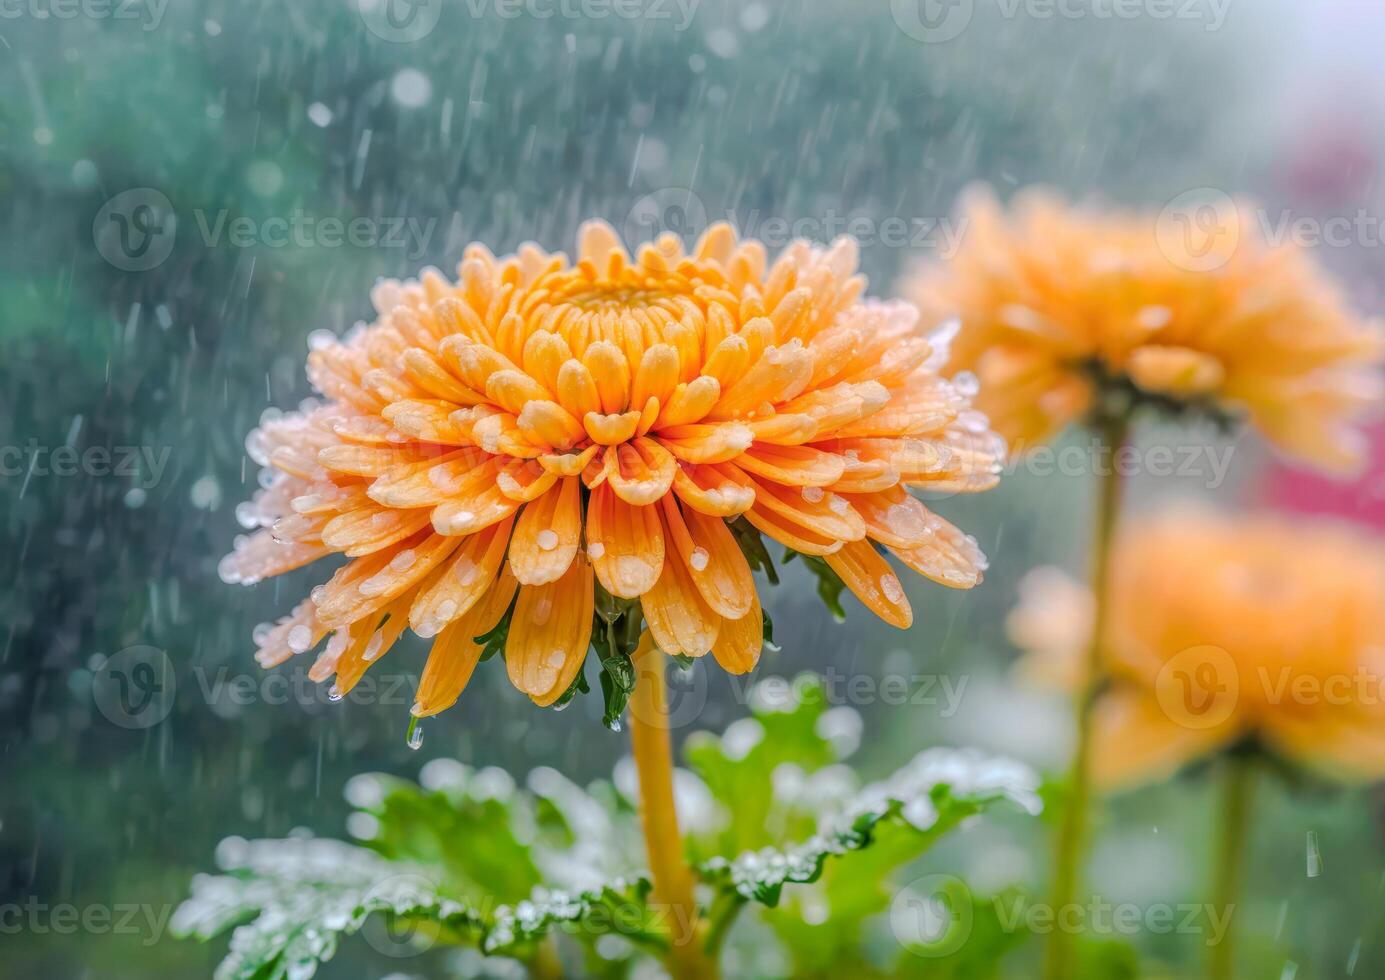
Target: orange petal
[548, 534]
[657, 375]
[568, 464]
[707, 443]
[690, 402]
[643, 471]
[679, 618]
[949, 557]
[455, 651]
[611, 371]
[472, 513]
[546, 422]
[356, 460]
[549, 632]
[428, 420]
[610, 430]
[625, 543]
[874, 582]
[706, 490]
[369, 583]
[523, 480]
[431, 481]
[822, 512]
[462, 580]
[370, 639]
[369, 529]
[893, 517]
[713, 559]
[737, 649]
[795, 466]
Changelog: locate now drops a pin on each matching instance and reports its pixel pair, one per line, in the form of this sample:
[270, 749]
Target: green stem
[1237, 790]
[1071, 843]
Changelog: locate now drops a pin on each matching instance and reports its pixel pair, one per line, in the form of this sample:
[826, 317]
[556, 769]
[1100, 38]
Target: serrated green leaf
[935, 792]
[291, 900]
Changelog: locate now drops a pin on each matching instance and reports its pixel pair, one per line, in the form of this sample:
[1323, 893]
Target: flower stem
[1237, 789]
[1071, 844]
[672, 877]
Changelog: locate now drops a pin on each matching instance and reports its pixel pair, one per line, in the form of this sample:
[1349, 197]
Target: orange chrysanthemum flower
[1069, 313]
[540, 437]
[1224, 631]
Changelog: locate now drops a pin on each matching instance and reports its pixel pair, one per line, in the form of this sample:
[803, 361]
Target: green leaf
[830, 584]
[882, 827]
[786, 729]
[493, 640]
[753, 547]
[465, 828]
[615, 635]
[932, 794]
[291, 900]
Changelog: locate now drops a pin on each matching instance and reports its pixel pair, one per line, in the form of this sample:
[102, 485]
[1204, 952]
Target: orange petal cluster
[1225, 629]
[537, 426]
[1054, 299]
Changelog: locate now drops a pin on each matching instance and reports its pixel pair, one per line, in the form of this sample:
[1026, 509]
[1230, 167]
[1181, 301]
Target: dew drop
[595, 550]
[414, 737]
[892, 589]
[699, 559]
[300, 638]
[813, 495]
[548, 540]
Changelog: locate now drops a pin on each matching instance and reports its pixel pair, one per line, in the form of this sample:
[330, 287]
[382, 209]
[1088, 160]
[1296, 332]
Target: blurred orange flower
[1071, 313]
[1222, 630]
[509, 440]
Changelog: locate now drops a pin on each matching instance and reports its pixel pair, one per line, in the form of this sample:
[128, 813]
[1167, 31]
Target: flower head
[1069, 314]
[507, 455]
[1225, 631]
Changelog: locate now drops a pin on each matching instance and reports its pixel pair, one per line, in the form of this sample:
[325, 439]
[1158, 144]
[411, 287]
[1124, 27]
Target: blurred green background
[238, 123]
